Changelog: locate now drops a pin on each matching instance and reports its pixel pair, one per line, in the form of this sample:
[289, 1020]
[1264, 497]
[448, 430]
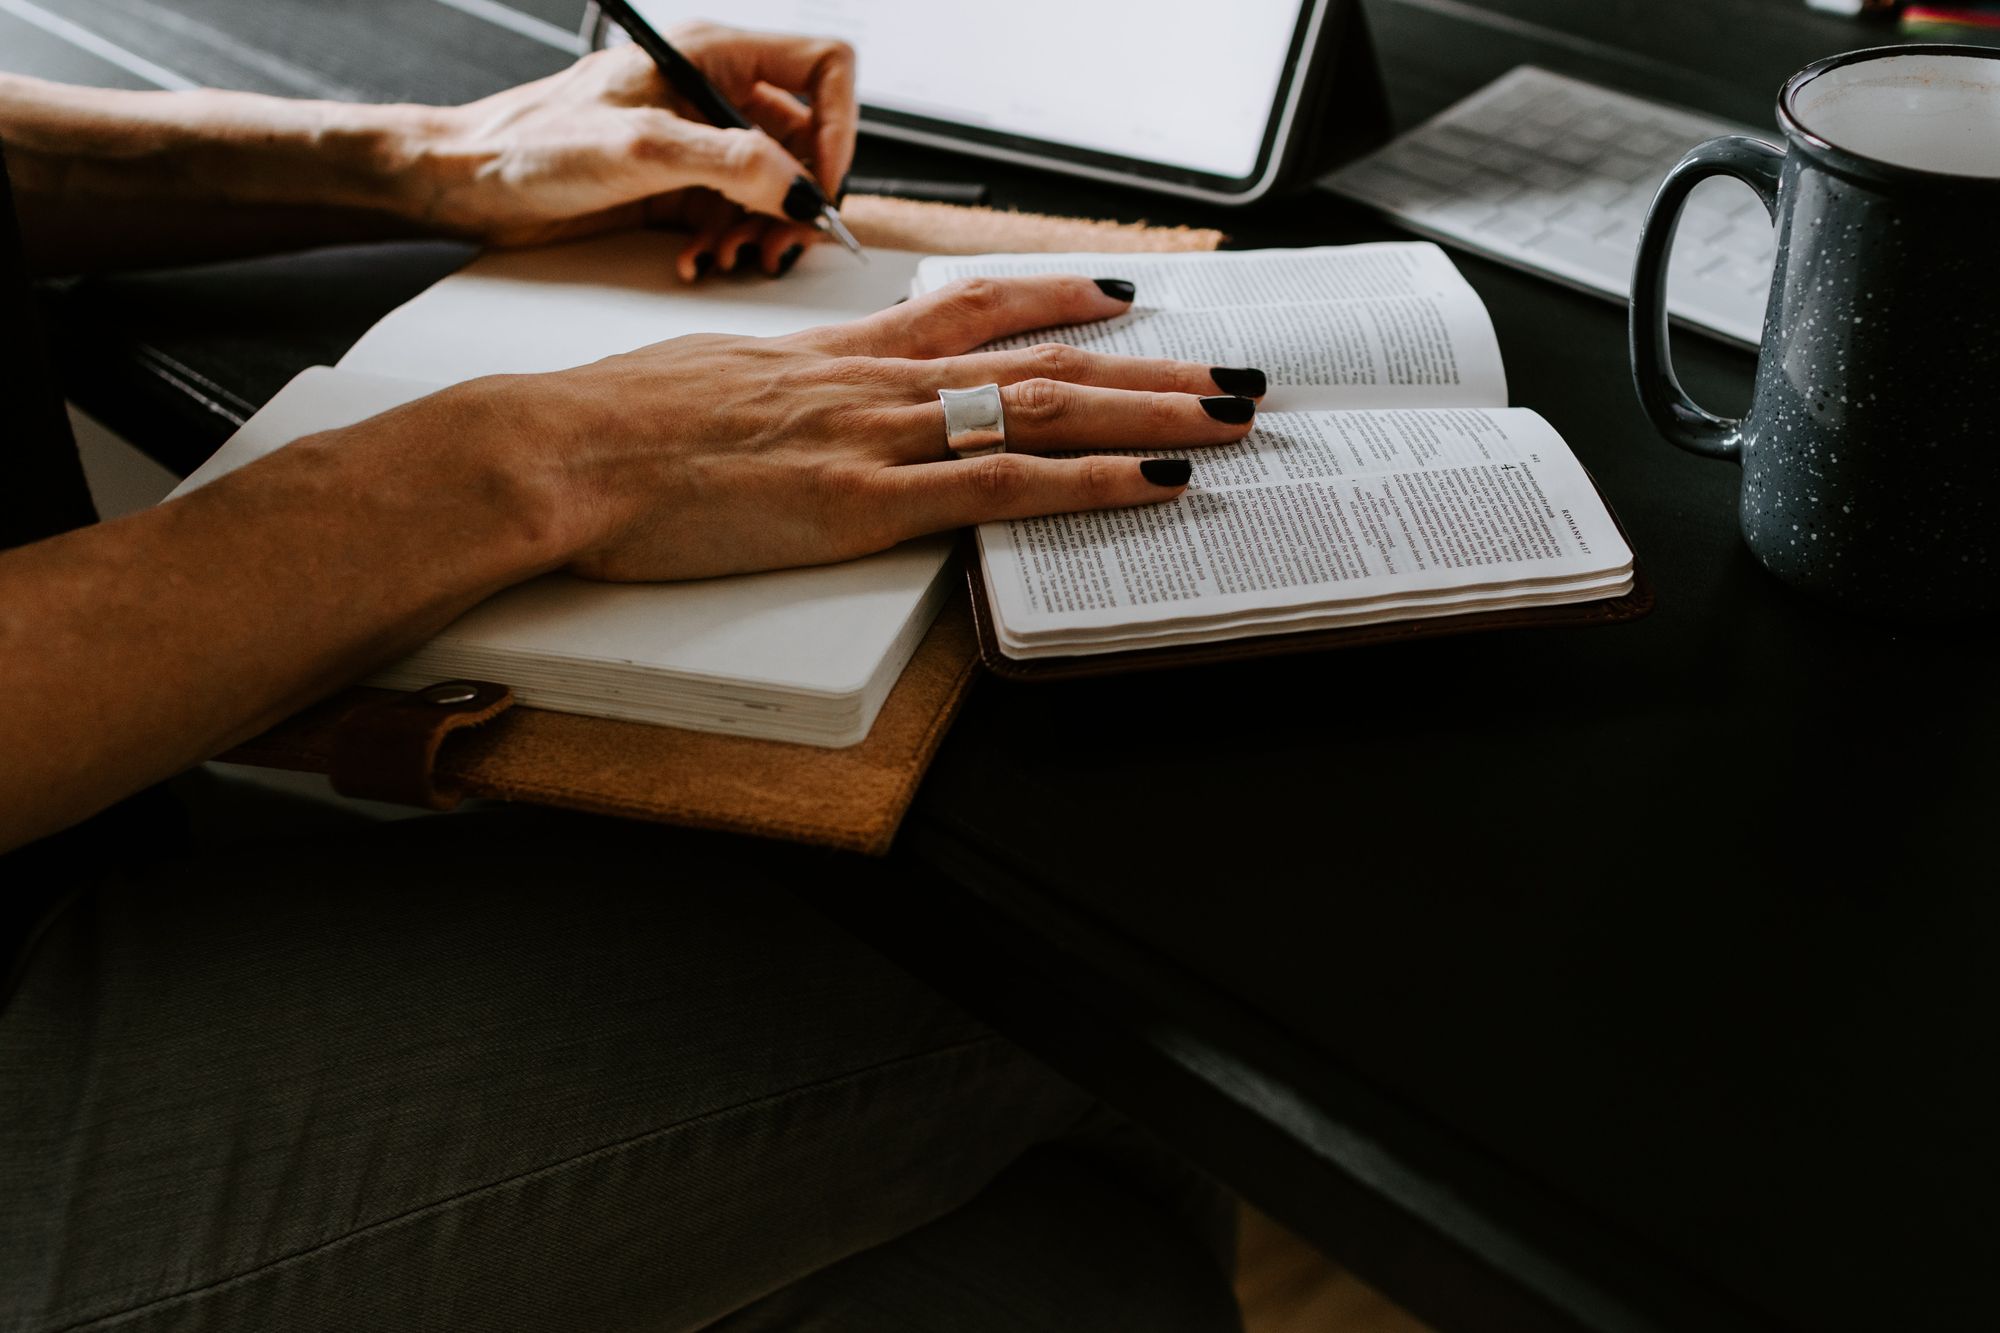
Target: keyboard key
[1595, 129]
[1575, 150]
[1460, 214]
[1654, 141]
[1553, 114]
[1428, 168]
[1504, 158]
[1533, 137]
[1745, 243]
[1748, 276]
[1456, 142]
[1601, 261]
[1748, 205]
[1494, 187]
[1709, 227]
[1510, 228]
[1550, 176]
[1622, 164]
[1542, 203]
[1602, 191]
[1581, 217]
[1393, 189]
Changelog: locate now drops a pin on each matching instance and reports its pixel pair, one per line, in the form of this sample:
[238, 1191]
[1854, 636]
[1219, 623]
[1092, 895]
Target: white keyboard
[1554, 175]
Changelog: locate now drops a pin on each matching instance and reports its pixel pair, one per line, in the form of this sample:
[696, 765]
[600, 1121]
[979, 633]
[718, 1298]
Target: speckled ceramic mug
[1871, 451]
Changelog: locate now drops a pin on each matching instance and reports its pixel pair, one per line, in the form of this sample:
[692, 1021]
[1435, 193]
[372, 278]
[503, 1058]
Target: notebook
[798, 655]
[851, 797]
[1386, 479]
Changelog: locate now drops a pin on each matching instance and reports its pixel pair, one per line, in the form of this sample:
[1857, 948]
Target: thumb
[748, 166]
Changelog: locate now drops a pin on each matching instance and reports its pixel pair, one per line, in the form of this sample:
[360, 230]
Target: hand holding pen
[604, 145]
[766, 88]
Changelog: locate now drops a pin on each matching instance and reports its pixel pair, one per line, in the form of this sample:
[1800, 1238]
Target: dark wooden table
[1638, 978]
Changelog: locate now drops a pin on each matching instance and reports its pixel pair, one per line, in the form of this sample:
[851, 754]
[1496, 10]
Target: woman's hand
[718, 455]
[702, 456]
[607, 144]
[112, 179]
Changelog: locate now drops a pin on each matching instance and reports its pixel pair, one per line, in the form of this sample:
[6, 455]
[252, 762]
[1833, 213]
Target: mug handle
[1678, 417]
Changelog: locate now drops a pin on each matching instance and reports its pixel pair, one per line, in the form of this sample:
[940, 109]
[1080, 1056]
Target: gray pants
[521, 1071]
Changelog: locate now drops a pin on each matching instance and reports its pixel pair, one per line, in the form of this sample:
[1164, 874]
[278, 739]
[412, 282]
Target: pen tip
[831, 220]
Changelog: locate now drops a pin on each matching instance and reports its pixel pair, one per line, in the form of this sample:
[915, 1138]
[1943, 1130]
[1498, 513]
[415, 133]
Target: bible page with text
[1392, 324]
[1317, 518]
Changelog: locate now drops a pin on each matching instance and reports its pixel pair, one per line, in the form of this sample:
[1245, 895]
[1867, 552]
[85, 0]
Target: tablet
[1194, 97]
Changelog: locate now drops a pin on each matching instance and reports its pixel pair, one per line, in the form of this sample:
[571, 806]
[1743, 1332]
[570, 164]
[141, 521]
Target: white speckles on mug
[1871, 452]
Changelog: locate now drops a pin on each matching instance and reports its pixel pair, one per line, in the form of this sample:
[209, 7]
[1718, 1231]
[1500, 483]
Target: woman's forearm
[133, 649]
[108, 178]
[112, 179]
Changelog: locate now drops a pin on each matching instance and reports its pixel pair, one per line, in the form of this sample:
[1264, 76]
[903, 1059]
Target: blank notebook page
[518, 311]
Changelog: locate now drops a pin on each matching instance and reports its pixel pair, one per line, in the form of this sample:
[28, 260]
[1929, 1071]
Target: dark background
[1626, 978]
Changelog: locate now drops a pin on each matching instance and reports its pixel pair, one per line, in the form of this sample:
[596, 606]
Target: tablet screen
[1186, 84]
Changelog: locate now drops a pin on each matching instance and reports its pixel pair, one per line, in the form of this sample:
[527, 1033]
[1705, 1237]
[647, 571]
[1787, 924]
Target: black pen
[682, 76]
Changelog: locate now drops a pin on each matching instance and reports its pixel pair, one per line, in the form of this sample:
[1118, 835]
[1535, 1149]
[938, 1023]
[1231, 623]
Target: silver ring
[974, 424]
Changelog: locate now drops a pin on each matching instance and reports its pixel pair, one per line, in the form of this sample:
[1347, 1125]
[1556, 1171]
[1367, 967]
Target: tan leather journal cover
[431, 752]
[852, 799]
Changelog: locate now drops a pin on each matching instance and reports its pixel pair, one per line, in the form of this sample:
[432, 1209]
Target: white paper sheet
[522, 311]
[1313, 518]
[1393, 324]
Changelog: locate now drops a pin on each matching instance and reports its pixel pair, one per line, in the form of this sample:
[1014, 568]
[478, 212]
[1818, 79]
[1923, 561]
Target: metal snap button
[451, 692]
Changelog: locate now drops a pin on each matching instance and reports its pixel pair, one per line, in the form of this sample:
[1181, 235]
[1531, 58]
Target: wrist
[401, 156]
[438, 167]
[472, 467]
[363, 157]
[504, 439]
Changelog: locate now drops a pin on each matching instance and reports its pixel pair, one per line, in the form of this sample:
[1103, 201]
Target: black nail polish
[1229, 409]
[703, 262]
[1239, 380]
[746, 255]
[802, 200]
[789, 258]
[1117, 288]
[1167, 471]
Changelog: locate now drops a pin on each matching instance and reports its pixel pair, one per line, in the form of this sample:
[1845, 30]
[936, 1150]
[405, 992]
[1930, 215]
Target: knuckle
[1056, 361]
[696, 32]
[853, 369]
[743, 152]
[1098, 479]
[1000, 482]
[885, 377]
[852, 517]
[845, 488]
[1169, 412]
[974, 296]
[1041, 402]
[651, 134]
[1186, 377]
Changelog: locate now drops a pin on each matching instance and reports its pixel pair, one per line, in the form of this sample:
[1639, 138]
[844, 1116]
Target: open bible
[1386, 479]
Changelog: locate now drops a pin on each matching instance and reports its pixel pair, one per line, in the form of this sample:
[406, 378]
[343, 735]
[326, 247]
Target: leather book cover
[851, 798]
